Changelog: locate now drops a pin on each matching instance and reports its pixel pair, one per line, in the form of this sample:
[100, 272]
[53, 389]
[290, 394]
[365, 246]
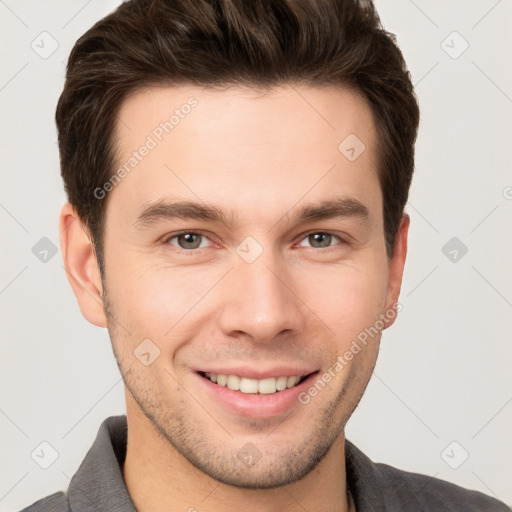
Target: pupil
[317, 237]
[188, 237]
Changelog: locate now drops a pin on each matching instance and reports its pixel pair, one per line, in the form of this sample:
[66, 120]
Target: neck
[159, 478]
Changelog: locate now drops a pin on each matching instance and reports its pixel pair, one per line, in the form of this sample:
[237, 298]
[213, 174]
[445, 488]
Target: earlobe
[81, 266]
[396, 270]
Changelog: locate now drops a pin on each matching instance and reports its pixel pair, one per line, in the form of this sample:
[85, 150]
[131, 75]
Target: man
[237, 174]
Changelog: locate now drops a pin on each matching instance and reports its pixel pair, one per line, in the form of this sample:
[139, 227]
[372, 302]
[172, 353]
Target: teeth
[245, 385]
[248, 385]
[292, 381]
[267, 386]
[281, 383]
[233, 382]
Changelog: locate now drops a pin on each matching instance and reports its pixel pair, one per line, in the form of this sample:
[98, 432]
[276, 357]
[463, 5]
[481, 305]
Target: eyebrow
[163, 210]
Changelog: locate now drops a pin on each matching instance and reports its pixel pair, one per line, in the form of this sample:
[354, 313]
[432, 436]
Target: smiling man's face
[260, 286]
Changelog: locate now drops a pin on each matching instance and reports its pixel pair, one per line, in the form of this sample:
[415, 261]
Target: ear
[396, 269]
[81, 265]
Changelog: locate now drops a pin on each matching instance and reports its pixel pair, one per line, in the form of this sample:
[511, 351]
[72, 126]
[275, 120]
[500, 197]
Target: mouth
[267, 386]
[264, 398]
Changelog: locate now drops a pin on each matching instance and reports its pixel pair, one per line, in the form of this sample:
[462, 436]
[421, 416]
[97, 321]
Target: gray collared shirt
[98, 484]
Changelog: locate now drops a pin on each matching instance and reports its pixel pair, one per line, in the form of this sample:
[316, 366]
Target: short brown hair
[259, 43]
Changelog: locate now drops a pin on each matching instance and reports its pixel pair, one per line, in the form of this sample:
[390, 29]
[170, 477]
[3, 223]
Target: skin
[261, 154]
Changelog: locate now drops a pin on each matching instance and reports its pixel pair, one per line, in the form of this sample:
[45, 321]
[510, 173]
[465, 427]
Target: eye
[320, 239]
[187, 240]
[191, 240]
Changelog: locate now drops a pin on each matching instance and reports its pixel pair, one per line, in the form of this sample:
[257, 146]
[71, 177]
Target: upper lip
[252, 372]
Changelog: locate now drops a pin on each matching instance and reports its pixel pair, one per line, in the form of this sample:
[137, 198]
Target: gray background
[441, 390]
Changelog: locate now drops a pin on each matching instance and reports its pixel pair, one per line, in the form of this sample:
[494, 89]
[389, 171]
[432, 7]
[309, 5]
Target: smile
[265, 386]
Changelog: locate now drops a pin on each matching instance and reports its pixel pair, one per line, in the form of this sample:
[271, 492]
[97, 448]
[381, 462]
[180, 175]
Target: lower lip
[256, 405]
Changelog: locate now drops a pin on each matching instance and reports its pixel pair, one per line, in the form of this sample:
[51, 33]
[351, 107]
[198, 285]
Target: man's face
[259, 295]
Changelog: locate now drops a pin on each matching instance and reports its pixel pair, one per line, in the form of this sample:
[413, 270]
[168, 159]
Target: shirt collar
[362, 480]
[98, 483]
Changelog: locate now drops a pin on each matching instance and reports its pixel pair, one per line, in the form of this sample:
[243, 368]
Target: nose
[259, 301]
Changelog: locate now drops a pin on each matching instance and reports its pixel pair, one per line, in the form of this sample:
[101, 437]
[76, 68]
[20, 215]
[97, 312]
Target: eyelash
[305, 235]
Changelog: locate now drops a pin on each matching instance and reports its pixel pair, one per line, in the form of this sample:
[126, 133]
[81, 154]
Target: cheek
[159, 300]
[349, 300]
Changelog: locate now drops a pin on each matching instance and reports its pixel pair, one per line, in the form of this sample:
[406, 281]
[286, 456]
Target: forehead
[255, 149]
[325, 109]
